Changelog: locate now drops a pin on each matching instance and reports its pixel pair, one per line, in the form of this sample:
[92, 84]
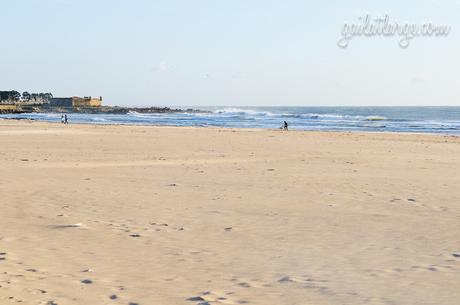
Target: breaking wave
[397, 119]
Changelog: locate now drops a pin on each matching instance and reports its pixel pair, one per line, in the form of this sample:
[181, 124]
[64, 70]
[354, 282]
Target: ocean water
[444, 120]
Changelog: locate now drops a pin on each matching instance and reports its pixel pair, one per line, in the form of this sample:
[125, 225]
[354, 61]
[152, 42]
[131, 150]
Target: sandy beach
[177, 215]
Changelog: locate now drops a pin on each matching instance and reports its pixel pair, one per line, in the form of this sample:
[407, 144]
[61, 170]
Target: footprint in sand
[305, 281]
[76, 225]
[165, 227]
[249, 283]
[433, 268]
[135, 230]
[387, 273]
[48, 303]
[35, 291]
[208, 297]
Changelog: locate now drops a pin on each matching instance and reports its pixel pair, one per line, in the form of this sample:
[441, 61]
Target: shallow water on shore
[444, 120]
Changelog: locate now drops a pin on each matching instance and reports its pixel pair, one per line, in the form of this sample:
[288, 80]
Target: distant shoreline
[94, 110]
[251, 129]
[414, 120]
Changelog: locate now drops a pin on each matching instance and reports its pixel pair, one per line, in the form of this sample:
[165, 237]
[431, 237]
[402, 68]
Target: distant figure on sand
[62, 119]
[66, 121]
[285, 126]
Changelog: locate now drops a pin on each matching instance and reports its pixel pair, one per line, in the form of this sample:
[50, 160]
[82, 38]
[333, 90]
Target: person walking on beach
[66, 121]
[285, 126]
[62, 119]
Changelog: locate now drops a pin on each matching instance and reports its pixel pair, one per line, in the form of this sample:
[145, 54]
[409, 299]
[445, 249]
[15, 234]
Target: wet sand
[158, 215]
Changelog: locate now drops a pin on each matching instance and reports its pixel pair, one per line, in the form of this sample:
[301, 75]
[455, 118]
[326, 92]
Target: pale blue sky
[227, 52]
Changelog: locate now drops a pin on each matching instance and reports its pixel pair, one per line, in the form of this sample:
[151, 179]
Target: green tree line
[15, 96]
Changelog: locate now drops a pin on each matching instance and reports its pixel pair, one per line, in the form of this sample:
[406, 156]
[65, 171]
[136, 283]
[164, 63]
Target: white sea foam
[99, 119]
[242, 111]
[375, 118]
[398, 119]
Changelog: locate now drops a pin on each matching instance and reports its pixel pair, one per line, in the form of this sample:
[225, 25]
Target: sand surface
[157, 215]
